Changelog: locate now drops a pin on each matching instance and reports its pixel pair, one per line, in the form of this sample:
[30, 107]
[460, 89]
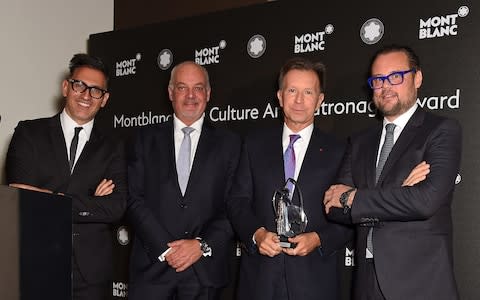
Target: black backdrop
[243, 50]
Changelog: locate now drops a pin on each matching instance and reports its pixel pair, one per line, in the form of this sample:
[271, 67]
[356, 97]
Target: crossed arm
[332, 195]
[104, 188]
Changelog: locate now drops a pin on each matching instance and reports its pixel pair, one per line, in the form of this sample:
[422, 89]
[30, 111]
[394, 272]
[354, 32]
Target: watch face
[344, 199]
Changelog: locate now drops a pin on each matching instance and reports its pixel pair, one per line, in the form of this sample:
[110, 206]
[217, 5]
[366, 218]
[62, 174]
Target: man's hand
[418, 174]
[306, 243]
[184, 253]
[30, 187]
[104, 188]
[268, 243]
[332, 196]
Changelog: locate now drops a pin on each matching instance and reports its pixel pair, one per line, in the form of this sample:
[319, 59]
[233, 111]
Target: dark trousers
[183, 286]
[82, 290]
[368, 286]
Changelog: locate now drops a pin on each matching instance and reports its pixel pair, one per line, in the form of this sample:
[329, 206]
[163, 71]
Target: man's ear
[279, 96]
[418, 79]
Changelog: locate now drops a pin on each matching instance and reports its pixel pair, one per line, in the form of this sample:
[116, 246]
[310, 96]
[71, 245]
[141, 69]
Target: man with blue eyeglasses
[402, 217]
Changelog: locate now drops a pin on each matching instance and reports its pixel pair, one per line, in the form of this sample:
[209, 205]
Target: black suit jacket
[412, 235]
[38, 156]
[160, 214]
[260, 173]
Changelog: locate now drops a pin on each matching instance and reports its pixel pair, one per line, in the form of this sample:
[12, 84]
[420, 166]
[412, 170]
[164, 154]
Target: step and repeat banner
[243, 50]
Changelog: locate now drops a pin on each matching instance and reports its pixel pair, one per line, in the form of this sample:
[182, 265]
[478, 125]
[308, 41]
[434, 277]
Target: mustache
[388, 92]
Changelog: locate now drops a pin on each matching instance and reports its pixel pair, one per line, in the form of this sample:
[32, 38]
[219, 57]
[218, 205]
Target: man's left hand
[332, 196]
[104, 188]
[306, 243]
[184, 253]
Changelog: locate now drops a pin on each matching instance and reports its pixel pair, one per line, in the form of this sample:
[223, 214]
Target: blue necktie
[183, 160]
[289, 161]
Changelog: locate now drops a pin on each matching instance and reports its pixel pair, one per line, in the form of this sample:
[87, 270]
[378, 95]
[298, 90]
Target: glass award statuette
[290, 219]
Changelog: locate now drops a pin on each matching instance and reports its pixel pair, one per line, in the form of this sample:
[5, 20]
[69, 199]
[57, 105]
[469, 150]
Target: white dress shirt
[400, 123]
[68, 128]
[300, 146]
[194, 135]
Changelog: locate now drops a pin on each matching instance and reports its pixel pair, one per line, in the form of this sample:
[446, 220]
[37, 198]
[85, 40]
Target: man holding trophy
[289, 166]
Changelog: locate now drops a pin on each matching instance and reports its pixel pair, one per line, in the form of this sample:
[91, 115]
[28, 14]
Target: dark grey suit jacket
[160, 214]
[412, 235]
[259, 174]
[38, 156]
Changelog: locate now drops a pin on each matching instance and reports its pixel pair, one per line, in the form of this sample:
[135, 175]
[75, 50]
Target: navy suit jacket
[160, 214]
[37, 156]
[412, 235]
[260, 173]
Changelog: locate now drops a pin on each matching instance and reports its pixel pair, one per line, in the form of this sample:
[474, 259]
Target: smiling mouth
[388, 96]
[84, 104]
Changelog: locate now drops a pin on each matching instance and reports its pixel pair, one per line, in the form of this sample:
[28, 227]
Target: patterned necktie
[73, 147]
[289, 160]
[183, 160]
[386, 148]
[384, 152]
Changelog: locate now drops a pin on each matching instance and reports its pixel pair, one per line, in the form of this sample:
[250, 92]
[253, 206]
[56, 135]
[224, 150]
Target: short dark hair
[303, 64]
[413, 60]
[87, 60]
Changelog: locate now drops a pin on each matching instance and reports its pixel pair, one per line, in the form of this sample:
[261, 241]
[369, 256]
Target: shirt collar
[403, 119]
[68, 124]
[197, 125]
[305, 132]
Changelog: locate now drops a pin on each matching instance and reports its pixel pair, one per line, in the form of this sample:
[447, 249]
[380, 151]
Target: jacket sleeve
[391, 202]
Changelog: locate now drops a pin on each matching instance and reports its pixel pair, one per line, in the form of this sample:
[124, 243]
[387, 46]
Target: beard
[393, 105]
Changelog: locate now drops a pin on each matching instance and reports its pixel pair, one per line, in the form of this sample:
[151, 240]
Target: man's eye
[395, 76]
[79, 85]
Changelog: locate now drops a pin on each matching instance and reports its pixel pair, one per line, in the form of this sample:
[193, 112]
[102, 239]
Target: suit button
[75, 234]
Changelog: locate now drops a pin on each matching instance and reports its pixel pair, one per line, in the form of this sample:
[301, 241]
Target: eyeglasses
[80, 87]
[394, 78]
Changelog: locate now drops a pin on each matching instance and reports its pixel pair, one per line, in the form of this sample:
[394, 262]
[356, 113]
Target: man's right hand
[104, 188]
[418, 174]
[29, 187]
[268, 243]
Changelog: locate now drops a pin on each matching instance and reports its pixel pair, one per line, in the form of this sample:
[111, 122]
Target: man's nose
[86, 94]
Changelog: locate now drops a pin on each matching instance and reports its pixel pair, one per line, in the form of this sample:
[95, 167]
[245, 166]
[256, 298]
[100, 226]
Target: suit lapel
[274, 156]
[373, 145]
[205, 144]
[313, 157]
[57, 139]
[89, 149]
[405, 138]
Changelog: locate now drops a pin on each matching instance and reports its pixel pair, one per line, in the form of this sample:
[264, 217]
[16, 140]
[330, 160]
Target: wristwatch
[344, 200]
[206, 249]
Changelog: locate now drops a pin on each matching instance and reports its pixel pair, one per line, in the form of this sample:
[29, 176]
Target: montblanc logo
[349, 257]
[372, 31]
[256, 46]
[210, 55]
[312, 41]
[122, 236]
[441, 26]
[127, 66]
[120, 289]
[165, 59]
